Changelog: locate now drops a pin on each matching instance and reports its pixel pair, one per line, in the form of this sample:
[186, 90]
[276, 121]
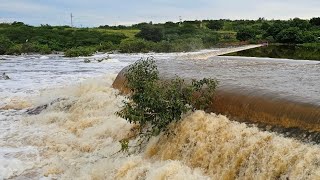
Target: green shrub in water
[154, 104]
[5, 44]
[16, 49]
[186, 45]
[106, 47]
[79, 51]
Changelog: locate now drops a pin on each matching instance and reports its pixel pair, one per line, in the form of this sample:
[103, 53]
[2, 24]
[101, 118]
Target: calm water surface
[282, 51]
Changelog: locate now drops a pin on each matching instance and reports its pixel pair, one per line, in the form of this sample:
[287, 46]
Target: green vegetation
[79, 51]
[315, 21]
[17, 37]
[134, 45]
[154, 104]
[245, 34]
[215, 25]
[151, 33]
[311, 45]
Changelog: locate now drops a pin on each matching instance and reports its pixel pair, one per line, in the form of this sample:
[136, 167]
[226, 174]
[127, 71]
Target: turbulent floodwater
[77, 136]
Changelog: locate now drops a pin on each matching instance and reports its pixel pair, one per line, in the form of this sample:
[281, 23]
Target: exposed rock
[5, 76]
[86, 61]
[39, 109]
[106, 58]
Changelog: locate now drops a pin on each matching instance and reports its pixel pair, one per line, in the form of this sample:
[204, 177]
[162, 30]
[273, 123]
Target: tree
[308, 37]
[187, 29]
[276, 28]
[196, 23]
[170, 24]
[215, 25]
[151, 33]
[315, 21]
[5, 44]
[245, 34]
[300, 23]
[15, 23]
[265, 26]
[291, 35]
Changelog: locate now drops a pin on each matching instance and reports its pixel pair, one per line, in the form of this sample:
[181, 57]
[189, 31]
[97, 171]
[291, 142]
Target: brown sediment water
[255, 90]
[230, 150]
[78, 138]
[267, 109]
[77, 134]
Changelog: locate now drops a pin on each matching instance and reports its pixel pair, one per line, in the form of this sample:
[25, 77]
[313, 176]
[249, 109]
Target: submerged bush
[106, 47]
[5, 44]
[16, 49]
[185, 45]
[163, 46]
[154, 104]
[44, 49]
[209, 40]
[35, 48]
[79, 51]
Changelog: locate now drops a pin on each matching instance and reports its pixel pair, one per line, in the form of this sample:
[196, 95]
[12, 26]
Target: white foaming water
[77, 136]
[31, 76]
[32, 73]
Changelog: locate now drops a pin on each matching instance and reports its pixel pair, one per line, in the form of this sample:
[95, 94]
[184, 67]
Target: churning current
[78, 136]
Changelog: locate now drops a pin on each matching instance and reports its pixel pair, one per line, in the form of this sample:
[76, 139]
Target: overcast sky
[115, 12]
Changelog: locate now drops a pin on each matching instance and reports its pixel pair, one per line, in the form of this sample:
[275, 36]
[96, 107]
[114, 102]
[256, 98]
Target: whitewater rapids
[78, 138]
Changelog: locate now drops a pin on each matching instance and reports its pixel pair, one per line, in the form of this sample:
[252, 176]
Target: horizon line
[154, 22]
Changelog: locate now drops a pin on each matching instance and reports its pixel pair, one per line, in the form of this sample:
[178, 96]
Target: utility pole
[180, 21]
[71, 16]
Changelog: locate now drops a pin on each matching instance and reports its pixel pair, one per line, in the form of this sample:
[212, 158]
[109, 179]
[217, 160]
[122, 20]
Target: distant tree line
[17, 37]
[294, 31]
[193, 35]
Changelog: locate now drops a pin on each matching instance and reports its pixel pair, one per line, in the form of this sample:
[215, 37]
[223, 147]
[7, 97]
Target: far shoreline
[227, 49]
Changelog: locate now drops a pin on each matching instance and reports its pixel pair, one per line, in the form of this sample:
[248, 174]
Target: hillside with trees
[17, 38]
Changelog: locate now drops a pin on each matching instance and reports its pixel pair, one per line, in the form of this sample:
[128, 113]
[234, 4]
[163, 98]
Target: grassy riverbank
[17, 38]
